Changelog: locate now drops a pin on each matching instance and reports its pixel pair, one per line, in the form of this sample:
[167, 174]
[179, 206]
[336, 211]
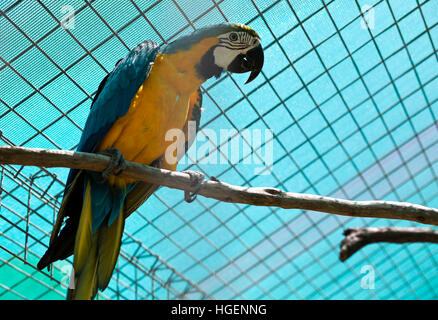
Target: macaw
[152, 90]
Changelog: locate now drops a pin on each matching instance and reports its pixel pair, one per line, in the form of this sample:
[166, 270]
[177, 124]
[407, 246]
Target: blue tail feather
[118, 199]
[105, 200]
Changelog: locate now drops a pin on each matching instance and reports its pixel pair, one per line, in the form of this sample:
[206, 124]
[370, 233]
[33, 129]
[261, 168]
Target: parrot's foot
[117, 162]
[197, 180]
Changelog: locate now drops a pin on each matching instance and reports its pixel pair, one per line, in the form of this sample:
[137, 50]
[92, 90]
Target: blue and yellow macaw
[152, 90]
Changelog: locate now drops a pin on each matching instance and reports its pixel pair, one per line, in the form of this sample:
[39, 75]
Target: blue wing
[114, 95]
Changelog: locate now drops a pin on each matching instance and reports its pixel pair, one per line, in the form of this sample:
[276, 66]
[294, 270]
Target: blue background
[353, 112]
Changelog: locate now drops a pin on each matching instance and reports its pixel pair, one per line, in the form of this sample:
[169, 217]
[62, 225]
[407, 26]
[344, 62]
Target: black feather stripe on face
[206, 67]
[241, 47]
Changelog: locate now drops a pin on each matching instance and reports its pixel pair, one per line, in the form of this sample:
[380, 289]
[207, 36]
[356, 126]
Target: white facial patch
[224, 56]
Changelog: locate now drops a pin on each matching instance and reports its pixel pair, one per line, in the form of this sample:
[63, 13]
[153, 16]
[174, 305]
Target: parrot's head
[236, 48]
[239, 50]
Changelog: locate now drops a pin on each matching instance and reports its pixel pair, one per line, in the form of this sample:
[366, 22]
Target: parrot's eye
[254, 41]
[233, 36]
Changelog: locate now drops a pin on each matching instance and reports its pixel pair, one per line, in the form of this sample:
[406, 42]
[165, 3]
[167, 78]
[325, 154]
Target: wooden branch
[222, 191]
[356, 238]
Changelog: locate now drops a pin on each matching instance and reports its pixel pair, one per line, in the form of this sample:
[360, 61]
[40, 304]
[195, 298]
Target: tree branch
[218, 190]
[356, 238]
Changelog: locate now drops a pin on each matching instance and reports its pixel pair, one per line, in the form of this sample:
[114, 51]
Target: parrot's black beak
[251, 61]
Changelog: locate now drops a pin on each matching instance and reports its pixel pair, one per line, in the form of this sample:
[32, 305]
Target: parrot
[153, 89]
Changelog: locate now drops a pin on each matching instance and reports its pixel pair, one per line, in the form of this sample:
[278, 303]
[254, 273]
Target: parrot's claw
[197, 180]
[117, 163]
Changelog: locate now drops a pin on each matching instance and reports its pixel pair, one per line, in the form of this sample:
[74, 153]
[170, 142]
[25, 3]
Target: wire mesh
[349, 89]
